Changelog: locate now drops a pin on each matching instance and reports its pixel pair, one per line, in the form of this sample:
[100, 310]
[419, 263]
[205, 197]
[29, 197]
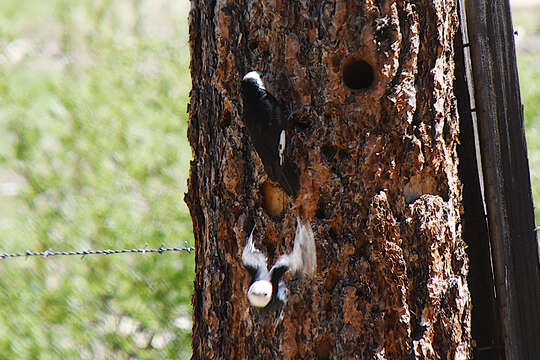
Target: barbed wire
[48, 253]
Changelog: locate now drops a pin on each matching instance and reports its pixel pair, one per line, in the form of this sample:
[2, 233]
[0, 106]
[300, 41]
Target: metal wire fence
[49, 253]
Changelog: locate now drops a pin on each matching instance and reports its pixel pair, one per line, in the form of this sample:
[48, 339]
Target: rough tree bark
[379, 180]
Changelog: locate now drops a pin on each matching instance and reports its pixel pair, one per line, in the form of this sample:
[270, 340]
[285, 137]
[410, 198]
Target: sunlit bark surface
[378, 180]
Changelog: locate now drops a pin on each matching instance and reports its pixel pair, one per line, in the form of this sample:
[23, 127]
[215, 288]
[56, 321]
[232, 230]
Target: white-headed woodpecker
[266, 121]
[268, 285]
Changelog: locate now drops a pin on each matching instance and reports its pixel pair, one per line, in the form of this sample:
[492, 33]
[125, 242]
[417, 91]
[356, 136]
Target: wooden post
[485, 318]
[506, 176]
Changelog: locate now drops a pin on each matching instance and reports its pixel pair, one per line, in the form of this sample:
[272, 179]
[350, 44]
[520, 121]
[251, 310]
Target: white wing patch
[251, 256]
[281, 147]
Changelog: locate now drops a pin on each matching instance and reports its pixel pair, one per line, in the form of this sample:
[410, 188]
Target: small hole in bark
[324, 347]
[253, 45]
[323, 211]
[329, 152]
[274, 199]
[358, 74]
[226, 119]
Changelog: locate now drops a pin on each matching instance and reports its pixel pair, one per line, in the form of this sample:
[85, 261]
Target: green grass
[529, 77]
[527, 21]
[527, 18]
[93, 154]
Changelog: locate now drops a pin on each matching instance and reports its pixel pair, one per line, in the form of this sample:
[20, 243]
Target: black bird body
[267, 285]
[266, 123]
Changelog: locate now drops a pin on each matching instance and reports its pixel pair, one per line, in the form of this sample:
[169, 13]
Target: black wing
[279, 269]
[265, 120]
[263, 117]
[290, 178]
[253, 259]
[286, 173]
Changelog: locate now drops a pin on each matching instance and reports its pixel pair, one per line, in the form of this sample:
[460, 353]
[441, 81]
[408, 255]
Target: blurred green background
[93, 155]
[526, 20]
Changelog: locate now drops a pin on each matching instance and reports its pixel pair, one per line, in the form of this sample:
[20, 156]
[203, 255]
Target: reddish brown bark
[378, 180]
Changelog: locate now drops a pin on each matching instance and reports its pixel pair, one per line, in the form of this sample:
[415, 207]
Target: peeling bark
[378, 180]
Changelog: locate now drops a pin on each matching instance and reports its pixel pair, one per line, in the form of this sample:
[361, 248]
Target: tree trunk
[374, 138]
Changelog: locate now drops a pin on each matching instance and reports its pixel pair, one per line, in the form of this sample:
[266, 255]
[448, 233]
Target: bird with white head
[267, 122]
[268, 285]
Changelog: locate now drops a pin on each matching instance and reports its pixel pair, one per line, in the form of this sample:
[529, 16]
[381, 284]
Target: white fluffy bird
[268, 285]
